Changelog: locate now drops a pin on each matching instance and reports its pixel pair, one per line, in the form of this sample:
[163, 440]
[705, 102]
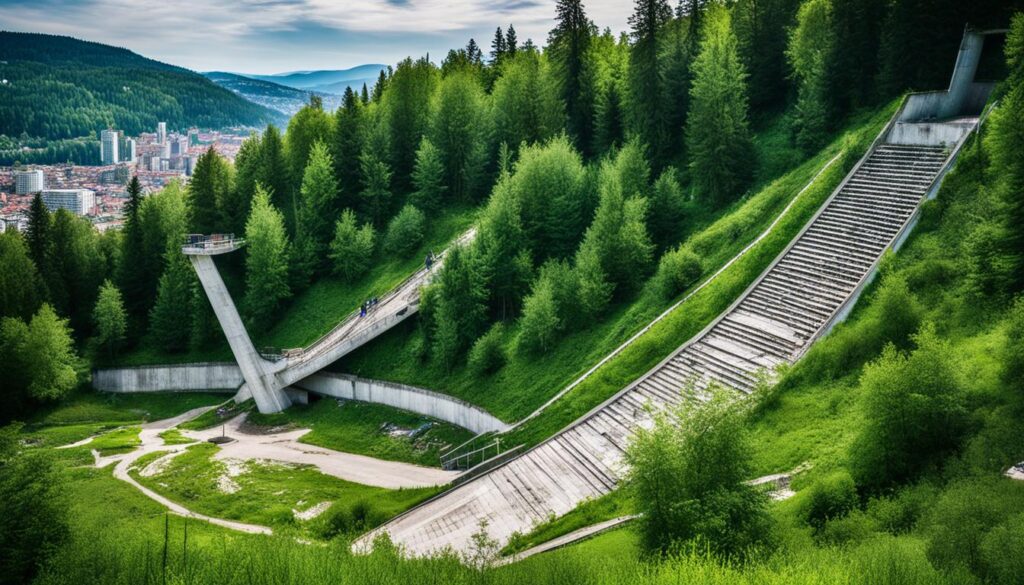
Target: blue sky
[272, 36]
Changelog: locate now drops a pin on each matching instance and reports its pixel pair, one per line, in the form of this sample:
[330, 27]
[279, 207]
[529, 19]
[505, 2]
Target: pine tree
[266, 262]
[346, 147]
[407, 105]
[569, 43]
[110, 318]
[525, 102]
[511, 43]
[718, 136]
[352, 247]
[273, 176]
[476, 56]
[308, 126]
[134, 276]
[498, 47]
[380, 86]
[548, 183]
[428, 178]
[540, 323]
[460, 316]
[667, 211]
[20, 285]
[317, 201]
[504, 261]
[235, 208]
[364, 95]
[646, 78]
[37, 235]
[170, 320]
[211, 183]
[458, 130]
[761, 28]
[375, 200]
[810, 44]
[48, 356]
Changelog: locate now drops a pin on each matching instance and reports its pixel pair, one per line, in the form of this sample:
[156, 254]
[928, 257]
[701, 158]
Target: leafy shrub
[33, 512]
[488, 353]
[341, 519]
[405, 231]
[678, 270]
[1002, 551]
[830, 498]
[914, 406]
[1013, 359]
[900, 512]
[853, 527]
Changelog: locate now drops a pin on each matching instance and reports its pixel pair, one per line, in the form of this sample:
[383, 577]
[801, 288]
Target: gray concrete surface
[196, 377]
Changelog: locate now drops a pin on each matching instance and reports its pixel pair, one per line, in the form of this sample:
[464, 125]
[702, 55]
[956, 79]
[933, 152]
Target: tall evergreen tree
[646, 78]
[504, 261]
[548, 182]
[761, 27]
[428, 178]
[810, 44]
[364, 95]
[111, 319]
[134, 277]
[211, 183]
[511, 42]
[569, 43]
[316, 205]
[525, 102]
[37, 235]
[498, 48]
[170, 320]
[475, 54]
[718, 136]
[274, 175]
[407, 105]
[20, 285]
[460, 314]
[459, 129]
[380, 86]
[236, 206]
[75, 269]
[853, 59]
[352, 247]
[346, 147]
[308, 126]
[1006, 147]
[266, 262]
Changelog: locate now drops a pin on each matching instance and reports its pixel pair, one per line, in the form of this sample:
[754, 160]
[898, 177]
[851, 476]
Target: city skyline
[279, 36]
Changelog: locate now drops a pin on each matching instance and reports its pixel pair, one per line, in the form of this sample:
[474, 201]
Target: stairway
[786, 309]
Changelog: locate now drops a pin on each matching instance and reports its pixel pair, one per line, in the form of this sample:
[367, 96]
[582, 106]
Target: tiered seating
[771, 325]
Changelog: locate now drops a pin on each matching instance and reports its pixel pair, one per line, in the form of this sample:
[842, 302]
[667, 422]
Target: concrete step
[780, 348]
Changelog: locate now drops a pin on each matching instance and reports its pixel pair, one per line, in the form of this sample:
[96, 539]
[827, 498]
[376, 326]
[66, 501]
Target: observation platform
[211, 245]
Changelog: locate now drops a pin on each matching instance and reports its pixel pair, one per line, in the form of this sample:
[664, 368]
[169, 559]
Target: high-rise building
[108, 146]
[26, 182]
[193, 137]
[179, 147]
[161, 132]
[77, 201]
[165, 150]
[126, 149]
[190, 165]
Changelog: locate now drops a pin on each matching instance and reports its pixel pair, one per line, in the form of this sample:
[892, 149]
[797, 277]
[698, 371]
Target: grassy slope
[356, 427]
[526, 382]
[316, 310]
[267, 492]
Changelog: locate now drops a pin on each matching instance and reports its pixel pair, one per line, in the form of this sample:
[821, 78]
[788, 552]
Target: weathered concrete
[204, 377]
[418, 400]
[573, 537]
[268, 394]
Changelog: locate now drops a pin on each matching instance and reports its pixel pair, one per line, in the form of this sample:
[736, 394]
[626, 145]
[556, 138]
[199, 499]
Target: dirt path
[285, 447]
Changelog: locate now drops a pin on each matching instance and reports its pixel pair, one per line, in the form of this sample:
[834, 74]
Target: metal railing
[211, 242]
[477, 450]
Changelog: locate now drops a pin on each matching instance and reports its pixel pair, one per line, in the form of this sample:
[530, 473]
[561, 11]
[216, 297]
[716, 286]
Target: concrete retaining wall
[418, 400]
[929, 133]
[201, 377]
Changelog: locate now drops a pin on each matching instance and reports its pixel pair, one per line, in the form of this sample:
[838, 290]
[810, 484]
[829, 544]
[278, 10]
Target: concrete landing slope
[809, 286]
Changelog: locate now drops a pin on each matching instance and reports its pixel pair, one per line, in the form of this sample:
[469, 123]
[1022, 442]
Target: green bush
[348, 520]
[352, 247]
[1013, 357]
[899, 513]
[848, 529]
[1002, 551]
[677, 271]
[914, 410]
[488, 354]
[830, 498]
[405, 231]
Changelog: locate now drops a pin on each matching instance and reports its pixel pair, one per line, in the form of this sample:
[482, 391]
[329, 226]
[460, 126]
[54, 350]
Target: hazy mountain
[325, 81]
[60, 87]
[275, 96]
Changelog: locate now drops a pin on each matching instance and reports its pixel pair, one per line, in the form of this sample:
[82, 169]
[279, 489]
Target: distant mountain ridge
[325, 81]
[284, 99]
[61, 87]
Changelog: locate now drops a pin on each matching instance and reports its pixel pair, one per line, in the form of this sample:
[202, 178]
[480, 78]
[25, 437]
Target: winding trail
[282, 447]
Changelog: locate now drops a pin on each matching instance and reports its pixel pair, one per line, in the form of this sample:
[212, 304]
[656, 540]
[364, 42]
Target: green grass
[265, 492]
[317, 309]
[356, 427]
[86, 413]
[526, 382]
[117, 441]
[174, 437]
[587, 513]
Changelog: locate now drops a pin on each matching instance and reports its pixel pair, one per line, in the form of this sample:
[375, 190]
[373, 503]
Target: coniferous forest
[606, 177]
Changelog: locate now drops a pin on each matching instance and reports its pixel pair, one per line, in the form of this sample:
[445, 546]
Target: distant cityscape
[98, 192]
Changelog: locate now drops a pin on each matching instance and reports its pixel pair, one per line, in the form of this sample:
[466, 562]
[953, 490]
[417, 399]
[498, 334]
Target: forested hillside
[59, 88]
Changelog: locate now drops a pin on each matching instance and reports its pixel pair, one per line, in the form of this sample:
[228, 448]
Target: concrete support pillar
[963, 73]
[269, 396]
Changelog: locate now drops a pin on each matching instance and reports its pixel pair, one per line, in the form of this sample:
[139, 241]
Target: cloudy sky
[272, 36]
